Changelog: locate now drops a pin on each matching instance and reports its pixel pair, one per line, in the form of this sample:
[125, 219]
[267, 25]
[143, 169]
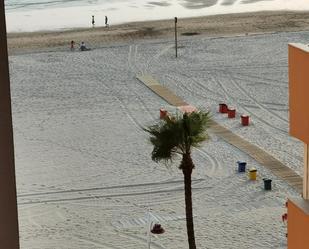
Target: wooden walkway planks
[261, 156]
[160, 90]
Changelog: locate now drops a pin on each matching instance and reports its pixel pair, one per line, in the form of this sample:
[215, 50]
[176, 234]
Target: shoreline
[209, 26]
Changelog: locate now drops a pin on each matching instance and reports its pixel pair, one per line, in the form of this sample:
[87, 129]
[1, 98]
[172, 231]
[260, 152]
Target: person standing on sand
[72, 45]
[106, 20]
[92, 21]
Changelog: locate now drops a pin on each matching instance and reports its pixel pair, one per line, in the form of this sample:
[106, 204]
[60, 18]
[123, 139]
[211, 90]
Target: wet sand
[212, 26]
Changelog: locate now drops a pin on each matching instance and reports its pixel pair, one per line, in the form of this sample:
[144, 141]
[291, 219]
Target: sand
[85, 178]
[212, 26]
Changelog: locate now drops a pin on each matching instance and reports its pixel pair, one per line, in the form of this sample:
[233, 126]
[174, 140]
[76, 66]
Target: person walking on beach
[92, 21]
[72, 45]
[106, 21]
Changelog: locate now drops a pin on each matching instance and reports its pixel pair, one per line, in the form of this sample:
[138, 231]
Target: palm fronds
[176, 134]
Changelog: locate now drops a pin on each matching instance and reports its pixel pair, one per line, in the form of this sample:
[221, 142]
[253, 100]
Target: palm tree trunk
[187, 171]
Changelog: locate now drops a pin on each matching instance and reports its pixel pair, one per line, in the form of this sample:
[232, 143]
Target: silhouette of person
[106, 21]
[72, 45]
[93, 22]
[83, 46]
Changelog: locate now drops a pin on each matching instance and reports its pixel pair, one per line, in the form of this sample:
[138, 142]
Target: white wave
[121, 11]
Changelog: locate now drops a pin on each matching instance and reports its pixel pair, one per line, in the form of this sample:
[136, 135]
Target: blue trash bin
[241, 167]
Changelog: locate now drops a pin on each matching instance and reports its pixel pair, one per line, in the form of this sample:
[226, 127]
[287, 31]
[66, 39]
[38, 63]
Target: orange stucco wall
[298, 224]
[299, 91]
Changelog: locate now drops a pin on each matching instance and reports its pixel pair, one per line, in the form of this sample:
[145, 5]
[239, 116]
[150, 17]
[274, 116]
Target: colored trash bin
[163, 113]
[241, 166]
[223, 108]
[267, 183]
[252, 174]
[244, 120]
[231, 113]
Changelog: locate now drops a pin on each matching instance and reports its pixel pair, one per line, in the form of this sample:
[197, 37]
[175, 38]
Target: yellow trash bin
[252, 174]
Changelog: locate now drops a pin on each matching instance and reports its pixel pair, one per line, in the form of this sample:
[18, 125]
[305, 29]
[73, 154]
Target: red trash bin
[231, 113]
[244, 120]
[223, 108]
[163, 113]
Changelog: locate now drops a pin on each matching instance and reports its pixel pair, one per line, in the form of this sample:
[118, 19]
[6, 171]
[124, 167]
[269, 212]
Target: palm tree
[174, 136]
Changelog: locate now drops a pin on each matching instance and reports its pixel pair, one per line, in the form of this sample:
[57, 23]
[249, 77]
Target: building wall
[299, 91]
[298, 224]
[9, 235]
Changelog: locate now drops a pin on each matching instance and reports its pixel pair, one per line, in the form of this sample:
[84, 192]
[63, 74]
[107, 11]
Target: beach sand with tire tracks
[85, 178]
[211, 26]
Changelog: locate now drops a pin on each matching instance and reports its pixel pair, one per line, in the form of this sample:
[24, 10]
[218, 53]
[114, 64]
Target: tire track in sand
[262, 120]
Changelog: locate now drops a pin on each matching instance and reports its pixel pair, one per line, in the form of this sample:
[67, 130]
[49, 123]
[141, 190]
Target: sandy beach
[211, 26]
[84, 173]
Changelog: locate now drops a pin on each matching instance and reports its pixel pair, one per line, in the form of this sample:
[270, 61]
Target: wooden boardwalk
[261, 156]
[162, 91]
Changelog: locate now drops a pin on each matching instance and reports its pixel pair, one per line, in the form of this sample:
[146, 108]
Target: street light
[176, 35]
[156, 229]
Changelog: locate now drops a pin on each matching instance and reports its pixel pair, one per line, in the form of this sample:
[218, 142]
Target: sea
[45, 15]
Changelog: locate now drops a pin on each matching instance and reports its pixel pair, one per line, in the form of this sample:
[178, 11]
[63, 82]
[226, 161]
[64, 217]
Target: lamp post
[9, 236]
[176, 36]
[156, 229]
[149, 234]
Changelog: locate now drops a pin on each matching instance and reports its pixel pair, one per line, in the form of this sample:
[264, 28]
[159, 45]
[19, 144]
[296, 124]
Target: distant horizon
[43, 15]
